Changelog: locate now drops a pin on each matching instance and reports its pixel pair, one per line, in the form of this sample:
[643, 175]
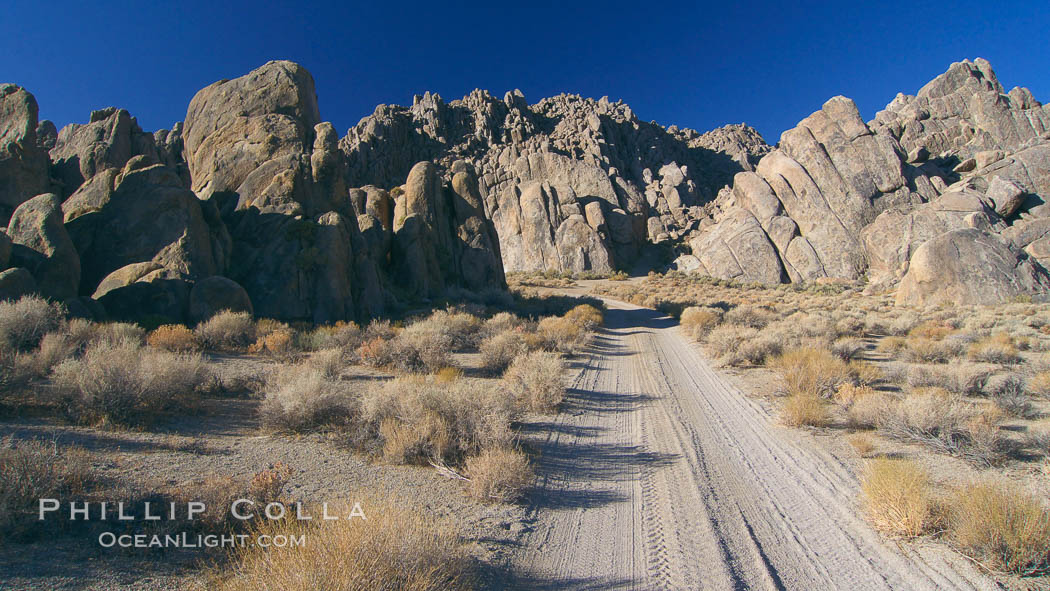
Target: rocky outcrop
[41, 245]
[15, 283]
[830, 177]
[969, 267]
[108, 141]
[963, 112]
[23, 162]
[213, 295]
[143, 214]
[540, 165]
[844, 199]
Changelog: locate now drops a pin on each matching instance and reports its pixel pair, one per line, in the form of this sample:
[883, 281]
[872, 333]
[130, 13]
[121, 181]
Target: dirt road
[661, 475]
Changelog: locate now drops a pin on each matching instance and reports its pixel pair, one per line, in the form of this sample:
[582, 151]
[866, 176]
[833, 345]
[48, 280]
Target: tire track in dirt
[659, 474]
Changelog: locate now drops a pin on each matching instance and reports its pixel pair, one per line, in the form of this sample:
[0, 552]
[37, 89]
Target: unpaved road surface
[661, 475]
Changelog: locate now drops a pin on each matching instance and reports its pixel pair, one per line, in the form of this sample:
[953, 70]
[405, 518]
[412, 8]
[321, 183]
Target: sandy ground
[660, 474]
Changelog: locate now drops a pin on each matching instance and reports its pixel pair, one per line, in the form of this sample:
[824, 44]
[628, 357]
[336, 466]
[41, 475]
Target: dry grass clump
[535, 380]
[113, 333]
[561, 334]
[1001, 525]
[848, 348]
[585, 316]
[127, 384]
[865, 407]
[811, 371]
[803, 409]
[54, 348]
[416, 420]
[33, 470]
[897, 497]
[697, 322]
[499, 474]
[862, 443]
[998, 348]
[1039, 384]
[396, 547]
[25, 321]
[460, 328]
[499, 350]
[754, 351]
[173, 337]
[232, 331]
[300, 398]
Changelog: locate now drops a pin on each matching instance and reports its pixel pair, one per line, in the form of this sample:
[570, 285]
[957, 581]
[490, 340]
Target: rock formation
[23, 162]
[571, 184]
[254, 203]
[840, 198]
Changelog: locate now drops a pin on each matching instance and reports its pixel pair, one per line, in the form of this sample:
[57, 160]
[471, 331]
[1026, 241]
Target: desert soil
[660, 474]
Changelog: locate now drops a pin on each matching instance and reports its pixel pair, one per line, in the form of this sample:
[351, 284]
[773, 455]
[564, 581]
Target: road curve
[659, 474]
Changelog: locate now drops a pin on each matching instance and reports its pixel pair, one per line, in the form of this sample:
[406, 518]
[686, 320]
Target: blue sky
[697, 64]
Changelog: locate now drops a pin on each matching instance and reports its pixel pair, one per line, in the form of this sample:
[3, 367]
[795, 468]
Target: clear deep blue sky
[694, 64]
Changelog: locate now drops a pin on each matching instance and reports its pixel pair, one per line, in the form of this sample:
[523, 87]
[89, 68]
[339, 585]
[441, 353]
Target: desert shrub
[33, 470]
[227, 331]
[902, 324]
[447, 375]
[725, 339]
[585, 316]
[54, 348]
[172, 337]
[754, 351]
[847, 348]
[865, 407]
[422, 346]
[115, 333]
[810, 371]
[328, 362]
[1011, 396]
[752, 316]
[850, 326]
[341, 335]
[867, 373]
[897, 496]
[414, 419]
[931, 330]
[805, 409]
[498, 474]
[500, 349]
[697, 321]
[397, 547]
[997, 348]
[960, 378]
[25, 321]
[279, 342]
[16, 370]
[299, 398]
[923, 350]
[892, 345]
[128, 384]
[376, 352]
[943, 422]
[1001, 525]
[561, 334]
[536, 381]
[501, 322]
[1039, 384]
